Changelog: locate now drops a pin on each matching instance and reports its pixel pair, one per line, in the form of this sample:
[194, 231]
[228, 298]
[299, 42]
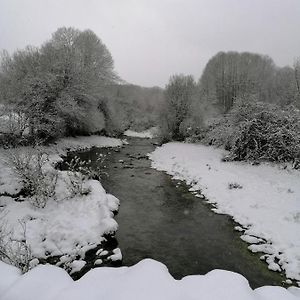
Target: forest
[69, 87]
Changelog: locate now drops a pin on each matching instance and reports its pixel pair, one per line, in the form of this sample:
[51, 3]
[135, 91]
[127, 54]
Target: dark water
[160, 219]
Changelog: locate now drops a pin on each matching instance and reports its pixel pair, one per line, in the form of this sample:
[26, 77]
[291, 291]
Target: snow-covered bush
[218, 133]
[190, 129]
[13, 251]
[78, 172]
[39, 181]
[258, 131]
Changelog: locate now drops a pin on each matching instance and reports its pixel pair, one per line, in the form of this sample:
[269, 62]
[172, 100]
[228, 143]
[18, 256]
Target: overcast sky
[152, 39]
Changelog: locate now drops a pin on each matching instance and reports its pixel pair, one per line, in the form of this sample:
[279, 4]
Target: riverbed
[160, 219]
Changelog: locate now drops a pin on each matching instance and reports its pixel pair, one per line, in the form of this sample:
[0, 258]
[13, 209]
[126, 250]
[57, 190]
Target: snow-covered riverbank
[146, 134]
[86, 142]
[76, 216]
[264, 199]
[147, 280]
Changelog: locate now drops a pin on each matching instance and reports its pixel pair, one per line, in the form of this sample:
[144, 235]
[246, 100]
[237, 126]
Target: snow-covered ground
[85, 142]
[73, 220]
[264, 199]
[148, 134]
[64, 225]
[147, 280]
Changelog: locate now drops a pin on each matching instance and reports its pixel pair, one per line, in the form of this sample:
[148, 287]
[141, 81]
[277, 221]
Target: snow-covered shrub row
[258, 131]
[147, 280]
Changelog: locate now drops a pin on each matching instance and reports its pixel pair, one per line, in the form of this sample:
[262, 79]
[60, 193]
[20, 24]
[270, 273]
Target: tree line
[242, 102]
[68, 86]
[56, 89]
[232, 75]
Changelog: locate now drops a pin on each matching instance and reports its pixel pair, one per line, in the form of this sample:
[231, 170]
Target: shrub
[13, 251]
[258, 131]
[38, 180]
[78, 172]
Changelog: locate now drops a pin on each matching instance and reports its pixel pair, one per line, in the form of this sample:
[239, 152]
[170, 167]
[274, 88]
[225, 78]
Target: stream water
[160, 219]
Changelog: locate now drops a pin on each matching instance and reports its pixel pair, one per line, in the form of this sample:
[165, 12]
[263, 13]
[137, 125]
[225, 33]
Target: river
[160, 219]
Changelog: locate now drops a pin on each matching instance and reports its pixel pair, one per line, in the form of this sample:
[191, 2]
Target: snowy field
[148, 134]
[75, 217]
[147, 280]
[264, 199]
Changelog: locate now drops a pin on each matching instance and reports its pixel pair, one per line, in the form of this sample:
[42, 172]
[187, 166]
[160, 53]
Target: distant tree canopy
[177, 110]
[57, 88]
[134, 106]
[232, 75]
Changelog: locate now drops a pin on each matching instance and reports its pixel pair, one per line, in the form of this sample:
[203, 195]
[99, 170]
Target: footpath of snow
[264, 199]
[148, 134]
[146, 280]
[70, 224]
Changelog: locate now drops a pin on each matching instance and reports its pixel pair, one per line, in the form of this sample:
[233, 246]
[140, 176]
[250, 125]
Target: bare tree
[230, 75]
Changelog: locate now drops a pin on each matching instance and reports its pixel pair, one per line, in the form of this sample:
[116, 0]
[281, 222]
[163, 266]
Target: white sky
[152, 39]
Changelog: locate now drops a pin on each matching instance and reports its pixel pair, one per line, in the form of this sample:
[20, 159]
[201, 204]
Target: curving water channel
[160, 219]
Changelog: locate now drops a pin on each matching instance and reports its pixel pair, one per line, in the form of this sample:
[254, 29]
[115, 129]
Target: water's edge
[160, 219]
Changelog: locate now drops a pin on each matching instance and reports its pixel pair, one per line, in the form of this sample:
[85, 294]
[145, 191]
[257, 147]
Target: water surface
[160, 219]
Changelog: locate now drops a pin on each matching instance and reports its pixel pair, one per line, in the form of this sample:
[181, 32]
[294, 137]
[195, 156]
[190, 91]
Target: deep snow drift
[148, 279]
[70, 223]
[264, 199]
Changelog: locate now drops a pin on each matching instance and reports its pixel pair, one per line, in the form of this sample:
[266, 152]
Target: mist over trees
[133, 106]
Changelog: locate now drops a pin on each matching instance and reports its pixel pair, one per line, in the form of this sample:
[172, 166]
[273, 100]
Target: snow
[250, 239]
[70, 224]
[77, 265]
[98, 262]
[148, 134]
[102, 253]
[42, 282]
[267, 206]
[117, 255]
[85, 142]
[146, 280]
[62, 227]
[8, 180]
[8, 275]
